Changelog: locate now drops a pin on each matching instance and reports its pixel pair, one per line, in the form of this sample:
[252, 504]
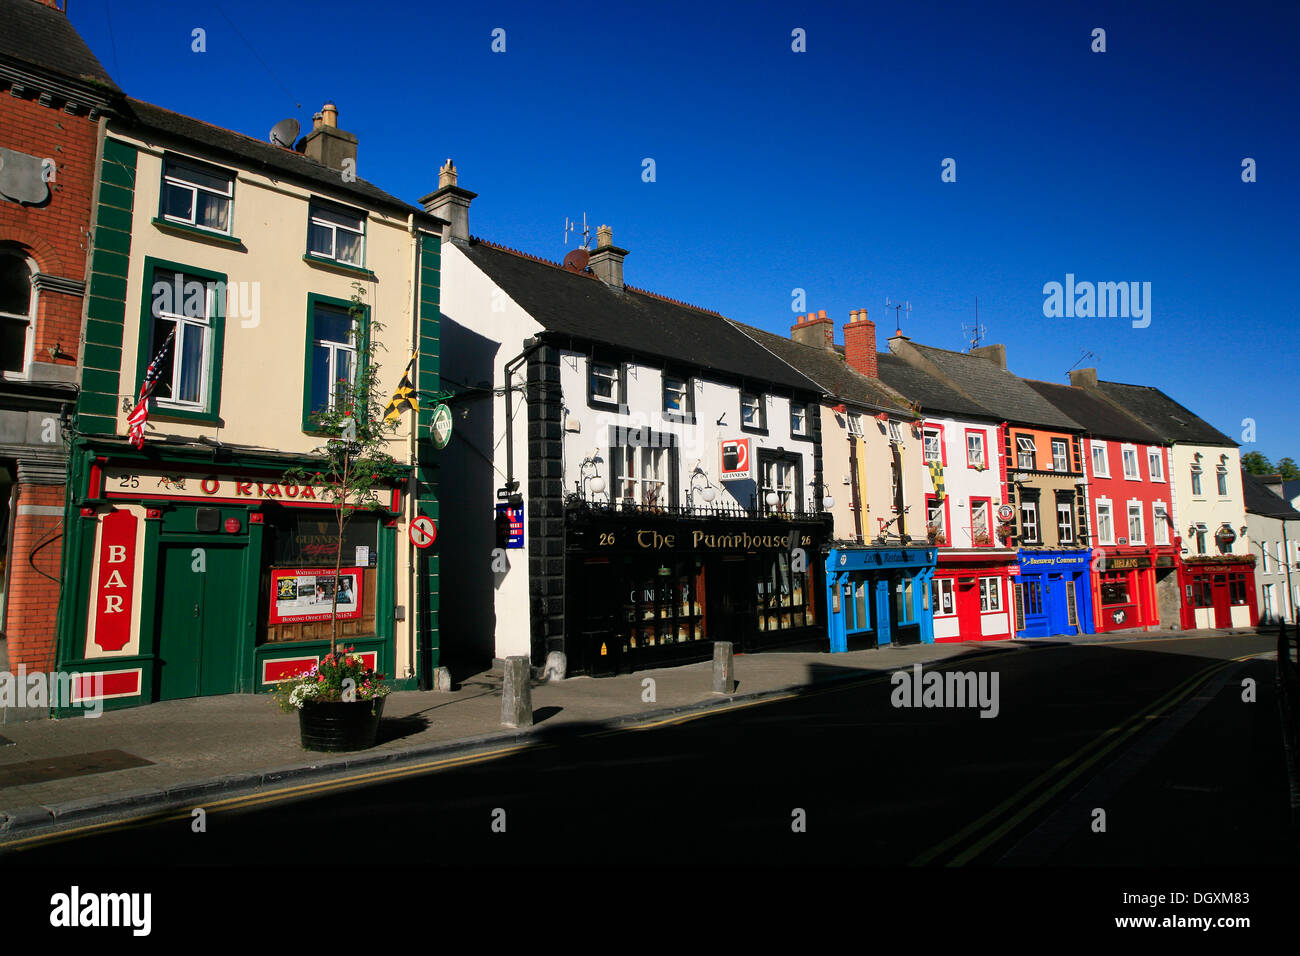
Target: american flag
[140, 414]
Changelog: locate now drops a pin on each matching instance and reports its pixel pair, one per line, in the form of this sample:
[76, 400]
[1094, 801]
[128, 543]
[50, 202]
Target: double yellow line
[1039, 791]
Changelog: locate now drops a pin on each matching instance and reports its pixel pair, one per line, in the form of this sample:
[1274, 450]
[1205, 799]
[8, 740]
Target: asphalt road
[1153, 734]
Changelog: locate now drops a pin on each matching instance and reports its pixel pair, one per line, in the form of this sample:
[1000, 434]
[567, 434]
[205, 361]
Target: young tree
[354, 463]
[1288, 469]
[1256, 464]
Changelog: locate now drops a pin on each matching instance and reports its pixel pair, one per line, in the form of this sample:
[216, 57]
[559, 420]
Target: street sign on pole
[423, 531]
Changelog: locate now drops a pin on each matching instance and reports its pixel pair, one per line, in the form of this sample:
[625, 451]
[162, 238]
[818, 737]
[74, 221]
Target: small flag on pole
[140, 414]
[404, 399]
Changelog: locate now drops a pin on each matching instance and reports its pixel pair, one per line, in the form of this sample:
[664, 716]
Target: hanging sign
[307, 594]
[510, 526]
[1006, 513]
[441, 427]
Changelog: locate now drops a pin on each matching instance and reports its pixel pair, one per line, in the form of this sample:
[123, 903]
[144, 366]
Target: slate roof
[43, 38]
[1261, 500]
[1094, 413]
[830, 371]
[1163, 415]
[261, 155]
[998, 390]
[929, 392]
[582, 307]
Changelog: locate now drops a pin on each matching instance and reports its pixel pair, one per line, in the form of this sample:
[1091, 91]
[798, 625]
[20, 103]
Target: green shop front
[647, 589]
[194, 571]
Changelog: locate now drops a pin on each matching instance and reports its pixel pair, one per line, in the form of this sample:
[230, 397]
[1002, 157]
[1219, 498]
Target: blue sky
[820, 170]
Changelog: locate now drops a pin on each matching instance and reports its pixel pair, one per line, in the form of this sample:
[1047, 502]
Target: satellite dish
[576, 261]
[284, 133]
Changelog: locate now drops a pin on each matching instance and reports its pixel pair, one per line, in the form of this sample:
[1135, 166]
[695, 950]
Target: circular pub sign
[1006, 513]
[441, 427]
[232, 525]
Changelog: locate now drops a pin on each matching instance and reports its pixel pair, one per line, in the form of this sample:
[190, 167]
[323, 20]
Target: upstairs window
[933, 445]
[975, 450]
[17, 309]
[752, 411]
[895, 435]
[1221, 473]
[197, 196]
[1029, 521]
[604, 381]
[677, 396]
[1136, 534]
[1064, 522]
[336, 234]
[333, 371]
[855, 424]
[1105, 523]
[1027, 456]
[642, 475]
[1156, 464]
[798, 418]
[1131, 463]
[1060, 455]
[1160, 519]
[1196, 481]
[1100, 463]
[183, 304]
[779, 477]
[1202, 533]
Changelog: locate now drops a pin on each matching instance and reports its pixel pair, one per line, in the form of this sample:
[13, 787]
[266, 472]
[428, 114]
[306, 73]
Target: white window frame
[1264, 567]
[1064, 528]
[1030, 507]
[983, 459]
[1202, 538]
[1221, 480]
[685, 408]
[1063, 463]
[1198, 477]
[1156, 464]
[1095, 447]
[799, 418]
[1105, 521]
[1141, 536]
[1160, 522]
[1021, 450]
[990, 595]
[1129, 453]
[185, 324]
[614, 378]
[170, 179]
[855, 424]
[895, 434]
[313, 219]
[773, 476]
[33, 303]
[936, 434]
[629, 468]
[944, 586]
[755, 401]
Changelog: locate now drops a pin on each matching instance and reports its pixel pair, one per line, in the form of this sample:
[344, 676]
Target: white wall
[962, 483]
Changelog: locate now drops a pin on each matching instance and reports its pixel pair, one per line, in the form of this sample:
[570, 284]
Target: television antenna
[899, 308]
[571, 225]
[974, 335]
[1086, 355]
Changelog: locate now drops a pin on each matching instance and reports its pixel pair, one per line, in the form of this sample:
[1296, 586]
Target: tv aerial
[899, 308]
[974, 334]
[576, 260]
[285, 133]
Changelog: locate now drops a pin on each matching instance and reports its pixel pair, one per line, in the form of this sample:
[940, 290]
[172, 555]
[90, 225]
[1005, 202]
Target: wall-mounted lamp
[705, 491]
[593, 481]
[828, 502]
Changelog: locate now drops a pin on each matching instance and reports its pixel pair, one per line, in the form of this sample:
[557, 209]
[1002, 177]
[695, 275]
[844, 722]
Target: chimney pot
[604, 237]
[326, 143]
[821, 314]
[330, 115]
[817, 331]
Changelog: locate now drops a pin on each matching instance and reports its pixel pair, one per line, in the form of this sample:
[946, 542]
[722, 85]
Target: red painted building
[52, 94]
[1135, 544]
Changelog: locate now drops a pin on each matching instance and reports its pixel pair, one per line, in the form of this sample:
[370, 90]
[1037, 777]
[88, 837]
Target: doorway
[198, 626]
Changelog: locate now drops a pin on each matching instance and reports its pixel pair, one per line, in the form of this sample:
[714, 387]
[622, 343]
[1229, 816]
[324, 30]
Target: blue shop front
[1053, 592]
[880, 593]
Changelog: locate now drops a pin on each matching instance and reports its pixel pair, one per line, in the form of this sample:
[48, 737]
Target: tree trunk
[338, 557]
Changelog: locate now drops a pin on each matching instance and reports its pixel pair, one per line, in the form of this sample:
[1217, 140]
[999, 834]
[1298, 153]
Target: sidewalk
[178, 752]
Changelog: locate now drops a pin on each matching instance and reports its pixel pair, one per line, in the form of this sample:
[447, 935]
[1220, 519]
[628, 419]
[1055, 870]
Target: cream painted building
[253, 277]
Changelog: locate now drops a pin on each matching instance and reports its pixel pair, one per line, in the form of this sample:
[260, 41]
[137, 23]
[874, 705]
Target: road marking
[1116, 736]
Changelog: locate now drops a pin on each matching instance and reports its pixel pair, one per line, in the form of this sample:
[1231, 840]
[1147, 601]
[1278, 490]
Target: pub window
[752, 411]
[1115, 588]
[665, 604]
[1071, 605]
[1020, 607]
[1026, 454]
[677, 396]
[784, 597]
[990, 594]
[1160, 518]
[1202, 593]
[1136, 534]
[779, 477]
[1237, 588]
[945, 603]
[1060, 455]
[603, 381]
[642, 475]
[298, 581]
[1105, 523]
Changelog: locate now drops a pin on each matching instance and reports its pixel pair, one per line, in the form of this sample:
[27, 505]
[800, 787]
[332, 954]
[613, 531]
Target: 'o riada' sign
[441, 426]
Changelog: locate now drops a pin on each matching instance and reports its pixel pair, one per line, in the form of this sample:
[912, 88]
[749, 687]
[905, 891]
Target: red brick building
[53, 93]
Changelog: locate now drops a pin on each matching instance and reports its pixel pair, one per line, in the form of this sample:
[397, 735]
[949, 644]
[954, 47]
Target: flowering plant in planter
[342, 677]
[982, 537]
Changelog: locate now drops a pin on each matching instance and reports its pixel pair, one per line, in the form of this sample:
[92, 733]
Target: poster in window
[307, 594]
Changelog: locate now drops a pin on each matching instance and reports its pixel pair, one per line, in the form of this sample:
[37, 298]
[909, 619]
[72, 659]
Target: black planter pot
[336, 726]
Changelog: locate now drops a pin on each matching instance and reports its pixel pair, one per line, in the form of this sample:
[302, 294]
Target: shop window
[975, 450]
[904, 601]
[665, 604]
[1026, 454]
[784, 597]
[1237, 589]
[1131, 463]
[1100, 463]
[1060, 455]
[1115, 588]
[1136, 533]
[336, 233]
[17, 309]
[990, 594]
[1156, 464]
[753, 412]
[1071, 605]
[944, 598]
[644, 475]
[1160, 520]
[1020, 607]
[1202, 593]
[197, 196]
[1032, 598]
[296, 602]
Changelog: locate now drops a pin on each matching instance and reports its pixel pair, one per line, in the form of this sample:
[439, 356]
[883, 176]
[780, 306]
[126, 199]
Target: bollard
[724, 664]
[441, 679]
[556, 666]
[517, 695]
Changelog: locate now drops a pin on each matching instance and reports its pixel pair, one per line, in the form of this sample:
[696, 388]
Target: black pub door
[733, 602]
[594, 612]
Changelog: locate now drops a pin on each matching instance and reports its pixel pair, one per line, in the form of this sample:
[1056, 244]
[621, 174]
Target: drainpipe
[1286, 551]
[412, 584]
[531, 345]
[857, 502]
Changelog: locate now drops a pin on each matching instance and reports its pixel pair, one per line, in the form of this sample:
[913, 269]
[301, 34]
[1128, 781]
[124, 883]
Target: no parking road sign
[423, 531]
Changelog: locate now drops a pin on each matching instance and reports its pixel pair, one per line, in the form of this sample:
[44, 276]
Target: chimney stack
[816, 330]
[326, 143]
[997, 354]
[1084, 377]
[451, 203]
[607, 260]
[860, 343]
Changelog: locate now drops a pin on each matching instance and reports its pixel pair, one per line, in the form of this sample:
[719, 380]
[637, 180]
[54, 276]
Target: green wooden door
[198, 621]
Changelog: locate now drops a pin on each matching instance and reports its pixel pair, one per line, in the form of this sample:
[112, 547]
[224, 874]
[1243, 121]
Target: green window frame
[209, 413]
[361, 342]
